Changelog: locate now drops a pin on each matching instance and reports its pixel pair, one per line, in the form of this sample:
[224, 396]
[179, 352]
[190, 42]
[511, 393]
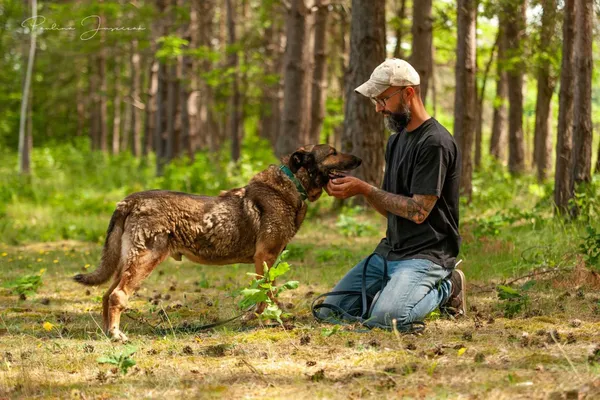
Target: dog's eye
[334, 153]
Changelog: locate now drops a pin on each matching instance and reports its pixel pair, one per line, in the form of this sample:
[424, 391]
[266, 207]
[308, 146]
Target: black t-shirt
[424, 161]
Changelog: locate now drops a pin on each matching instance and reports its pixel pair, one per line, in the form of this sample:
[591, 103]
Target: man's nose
[379, 108]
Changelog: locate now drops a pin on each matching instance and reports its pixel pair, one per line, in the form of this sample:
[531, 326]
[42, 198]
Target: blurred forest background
[199, 95]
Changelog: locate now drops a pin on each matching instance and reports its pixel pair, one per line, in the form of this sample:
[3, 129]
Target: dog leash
[205, 327]
[365, 314]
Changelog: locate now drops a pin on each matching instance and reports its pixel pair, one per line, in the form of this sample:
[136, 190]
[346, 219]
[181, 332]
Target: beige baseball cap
[391, 72]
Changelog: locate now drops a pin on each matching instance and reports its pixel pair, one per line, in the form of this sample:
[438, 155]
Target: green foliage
[590, 247]
[513, 301]
[350, 226]
[123, 360]
[263, 290]
[26, 285]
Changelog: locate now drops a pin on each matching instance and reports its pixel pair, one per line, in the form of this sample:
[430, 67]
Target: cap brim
[371, 89]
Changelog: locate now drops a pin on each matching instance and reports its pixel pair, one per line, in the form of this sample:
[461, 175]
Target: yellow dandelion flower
[48, 326]
[4, 254]
[55, 261]
[39, 260]
[86, 266]
[20, 257]
[42, 271]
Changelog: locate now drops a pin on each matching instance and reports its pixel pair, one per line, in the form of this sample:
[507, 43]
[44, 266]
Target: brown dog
[246, 225]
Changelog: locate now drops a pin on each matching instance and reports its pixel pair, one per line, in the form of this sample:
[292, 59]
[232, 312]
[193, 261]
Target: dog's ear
[301, 159]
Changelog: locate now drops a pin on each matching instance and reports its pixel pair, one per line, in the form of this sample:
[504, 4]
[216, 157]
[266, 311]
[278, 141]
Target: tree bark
[234, 111]
[319, 79]
[480, 98]
[116, 133]
[582, 131]
[24, 157]
[546, 82]
[136, 101]
[465, 108]
[515, 30]
[564, 146]
[422, 41]
[103, 107]
[401, 15]
[363, 127]
[498, 140]
[294, 80]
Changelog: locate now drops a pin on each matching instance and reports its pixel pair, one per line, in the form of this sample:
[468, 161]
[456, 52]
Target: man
[419, 197]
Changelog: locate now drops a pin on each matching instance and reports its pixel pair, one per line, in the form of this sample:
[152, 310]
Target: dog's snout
[357, 160]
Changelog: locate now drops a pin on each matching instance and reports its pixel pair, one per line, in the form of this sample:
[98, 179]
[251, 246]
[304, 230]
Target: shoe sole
[463, 292]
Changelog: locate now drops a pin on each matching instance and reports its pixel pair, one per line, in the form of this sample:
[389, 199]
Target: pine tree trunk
[499, 133]
[136, 101]
[401, 15]
[422, 41]
[294, 80]
[515, 30]
[480, 98]
[103, 107]
[363, 127]
[582, 131]
[465, 107]
[234, 110]
[24, 156]
[317, 109]
[564, 147]
[546, 83]
[116, 133]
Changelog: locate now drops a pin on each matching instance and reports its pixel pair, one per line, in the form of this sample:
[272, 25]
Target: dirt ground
[50, 342]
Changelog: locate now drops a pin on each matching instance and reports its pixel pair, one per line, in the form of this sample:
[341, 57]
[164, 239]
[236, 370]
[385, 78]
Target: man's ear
[300, 159]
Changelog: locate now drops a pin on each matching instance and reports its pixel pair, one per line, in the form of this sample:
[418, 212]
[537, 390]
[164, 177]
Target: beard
[397, 121]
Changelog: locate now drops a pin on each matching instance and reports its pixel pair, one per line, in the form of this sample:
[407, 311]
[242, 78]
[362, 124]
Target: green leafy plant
[590, 247]
[27, 285]
[514, 302]
[349, 226]
[122, 360]
[263, 290]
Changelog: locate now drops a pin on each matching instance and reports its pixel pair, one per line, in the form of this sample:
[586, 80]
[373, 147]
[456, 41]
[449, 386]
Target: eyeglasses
[381, 102]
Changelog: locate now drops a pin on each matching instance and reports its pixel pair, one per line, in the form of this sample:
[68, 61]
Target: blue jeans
[415, 288]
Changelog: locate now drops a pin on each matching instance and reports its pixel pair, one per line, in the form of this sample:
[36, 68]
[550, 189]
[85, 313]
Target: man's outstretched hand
[348, 186]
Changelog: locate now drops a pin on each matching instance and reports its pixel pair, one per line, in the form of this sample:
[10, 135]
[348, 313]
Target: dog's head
[314, 165]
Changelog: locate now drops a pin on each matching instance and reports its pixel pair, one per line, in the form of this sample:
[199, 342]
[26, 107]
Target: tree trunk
[116, 133]
[515, 31]
[171, 112]
[401, 15]
[136, 101]
[234, 111]
[317, 110]
[103, 107]
[480, 98]
[151, 106]
[582, 131]
[546, 83]
[564, 146]
[422, 41]
[294, 80]
[363, 127]
[24, 157]
[498, 140]
[465, 107]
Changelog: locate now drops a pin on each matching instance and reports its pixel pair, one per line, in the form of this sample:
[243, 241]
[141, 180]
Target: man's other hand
[348, 186]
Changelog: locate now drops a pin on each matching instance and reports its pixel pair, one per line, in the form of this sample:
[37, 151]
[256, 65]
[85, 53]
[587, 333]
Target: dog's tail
[111, 253]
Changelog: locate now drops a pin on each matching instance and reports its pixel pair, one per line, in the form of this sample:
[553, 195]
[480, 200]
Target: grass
[502, 358]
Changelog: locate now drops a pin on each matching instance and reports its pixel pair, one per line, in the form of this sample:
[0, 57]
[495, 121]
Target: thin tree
[582, 162]
[294, 80]
[319, 78]
[480, 99]
[499, 133]
[24, 156]
[546, 82]
[363, 127]
[465, 108]
[400, 20]
[422, 42]
[564, 146]
[515, 30]
[234, 111]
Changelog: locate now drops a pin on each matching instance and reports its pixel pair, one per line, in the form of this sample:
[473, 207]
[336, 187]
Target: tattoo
[416, 208]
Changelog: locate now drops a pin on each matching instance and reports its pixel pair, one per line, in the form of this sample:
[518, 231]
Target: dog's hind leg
[139, 264]
[105, 300]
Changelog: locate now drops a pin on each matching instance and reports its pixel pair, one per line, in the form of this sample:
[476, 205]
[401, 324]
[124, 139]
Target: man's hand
[348, 186]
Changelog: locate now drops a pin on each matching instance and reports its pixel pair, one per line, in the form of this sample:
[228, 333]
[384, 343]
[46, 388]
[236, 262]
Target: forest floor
[50, 342]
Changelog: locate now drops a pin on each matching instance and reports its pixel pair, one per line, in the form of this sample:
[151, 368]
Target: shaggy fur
[245, 225]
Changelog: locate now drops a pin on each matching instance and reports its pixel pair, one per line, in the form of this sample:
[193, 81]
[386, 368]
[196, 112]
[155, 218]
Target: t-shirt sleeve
[430, 170]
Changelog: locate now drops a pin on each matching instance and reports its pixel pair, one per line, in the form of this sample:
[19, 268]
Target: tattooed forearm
[415, 208]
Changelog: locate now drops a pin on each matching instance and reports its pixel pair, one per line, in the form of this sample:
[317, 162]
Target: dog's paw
[117, 336]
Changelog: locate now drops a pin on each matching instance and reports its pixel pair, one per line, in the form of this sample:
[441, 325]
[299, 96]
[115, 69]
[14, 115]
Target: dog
[252, 224]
